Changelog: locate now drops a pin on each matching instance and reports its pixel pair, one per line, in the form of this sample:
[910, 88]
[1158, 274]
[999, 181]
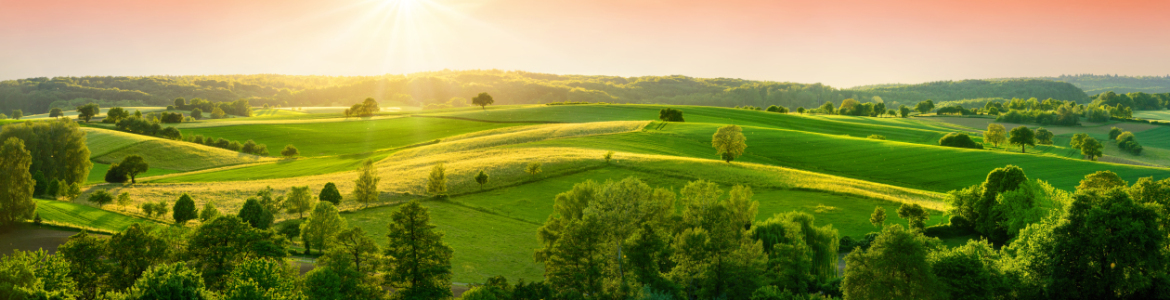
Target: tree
[729, 142]
[422, 265]
[88, 111]
[74, 191]
[1023, 136]
[208, 213]
[1109, 247]
[608, 156]
[54, 189]
[352, 250]
[670, 115]
[115, 174]
[180, 103]
[299, 201]
[321, 226]
[904, 111]
[995, 134]
[1101, 180]
[365, 189]
[483, 100]
[894, 267]
[1043, 136]
[1114, 132]
[533, 168]
[113, 115]
[800, 109]
[40, 184]
[58, 148]
[330, 194]
[1078, 140]
[218, 113]
[482, 179]
[170, 281]
[17, 114]
[437, 181]
[184, 209]
[878, 218]
[56, 112]
[959, 140]
[86, 267]
[290, 151]
[1091, 148]
[101, 197]
[968, 272]
[827, 108]
[131, 252]
[133, 165]
[123, 199]
[262, 279]
[197, 113]
[256, 214]
[218, 246]
[171, 133]
[915, 214]
[16, 202]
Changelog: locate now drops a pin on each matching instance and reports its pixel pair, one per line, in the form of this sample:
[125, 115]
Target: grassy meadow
[820, 164]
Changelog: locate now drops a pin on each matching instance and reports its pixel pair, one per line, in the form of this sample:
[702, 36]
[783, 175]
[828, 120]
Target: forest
[1096, 84]
[454, 88]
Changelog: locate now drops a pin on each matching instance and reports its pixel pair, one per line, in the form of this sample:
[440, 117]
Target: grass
[98, 173]
[355, 136]
[180, 156]
[284, 168]
[1153, 114]
[484, 245]
[104, 141]
[82, 216]
[925, 167]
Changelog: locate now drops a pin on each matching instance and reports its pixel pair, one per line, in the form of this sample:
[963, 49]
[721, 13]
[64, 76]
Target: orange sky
[841, 43]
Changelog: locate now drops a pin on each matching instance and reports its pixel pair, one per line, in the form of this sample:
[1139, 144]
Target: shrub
[670, 115]
[877, 137]
[960, 140]
[289, 151]
[171, 117]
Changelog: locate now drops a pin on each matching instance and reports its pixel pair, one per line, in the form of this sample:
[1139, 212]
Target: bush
[290, 151]
[877, 137]
[960, 140]
[171, 117]
[670, 115]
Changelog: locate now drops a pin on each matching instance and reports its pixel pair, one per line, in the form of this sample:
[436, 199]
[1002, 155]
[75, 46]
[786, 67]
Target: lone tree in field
[197, 114]
[423, 266]
[482, 178]
[924, 106]
[1022, 136]
[184, 209]
[290, 151]
[88, 111]
[1043, 136]
[1091, 148]
[56, 112]
[365, 188]
[101, 197]
[483, 100]
[800, 109]
[915, 214]
[330, 194]
[437, 181]
[533, 168]
[16, 202]
[670, 115]
[323, 224]
[995, 134]
[729, 142]
[878, 218]
[903, 111]
[132, 166]
[299, 201]
[17, 114]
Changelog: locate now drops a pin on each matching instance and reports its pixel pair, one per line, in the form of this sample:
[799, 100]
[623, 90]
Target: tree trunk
[1022, 149]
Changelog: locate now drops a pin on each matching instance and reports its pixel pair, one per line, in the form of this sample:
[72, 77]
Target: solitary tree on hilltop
[729, 142]
[1023, 136]
[16, 196]
[483, 100]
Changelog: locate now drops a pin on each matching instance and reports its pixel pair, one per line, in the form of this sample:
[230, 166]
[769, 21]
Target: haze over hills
[453, 88]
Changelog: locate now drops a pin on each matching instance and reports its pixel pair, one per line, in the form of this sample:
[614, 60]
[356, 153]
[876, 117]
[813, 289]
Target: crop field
[98, 173]
[82, 216]
[283, 168]
[180, 156]
[354, 136]
[1153, 114]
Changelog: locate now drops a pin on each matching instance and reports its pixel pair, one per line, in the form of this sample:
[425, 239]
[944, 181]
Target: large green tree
[262, 279]
[995, 134]
[256, 214]
[714, 252]
[483, 100]
[58, 148]
[299, 201]
[184, 209]
[894, 267]
[1091, 148]
[170, 281]
[216, 247]
[133, 165]
[330, 194]
[422, 262]
[1022, 136]
[87, 265]
[16, 185]
[321, 226]
[131, 252]
[365, 189]
[729, 142]
[88, 111]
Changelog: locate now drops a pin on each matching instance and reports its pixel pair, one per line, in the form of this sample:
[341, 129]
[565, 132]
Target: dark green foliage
[256, 214]
[115, 174]
[290, 229]
[365, 109]
[40, 183]
[330, 194]
[1110, 247]
[1022, 136]
[184, 209]
[423, 266]
[115, 114]
[88, 111]
[171, 133]
[56, 112]
[131, 252]
[84, 255]
[197, 113]
[960, 140]
[894, 267]
[966, 272]
[954, 110]
[1127, 142]
[58, 148]
[262, 279]
[800, 255]
[482, 178]
[670, 115]
[1114, 132]
[915, 214]
[1043, 136]
[170, 281]
[218, 246]
[924, 106]
[101, 197]
[54, 189]
[132, 166]
[483, 100]
[171, 117]
[289, 151]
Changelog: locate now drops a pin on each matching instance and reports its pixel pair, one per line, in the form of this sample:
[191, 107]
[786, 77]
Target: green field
[98, 173]
[82, 216]
[355, 136]
[280, 169]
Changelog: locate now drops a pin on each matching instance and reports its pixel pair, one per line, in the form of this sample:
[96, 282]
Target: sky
[842, 43]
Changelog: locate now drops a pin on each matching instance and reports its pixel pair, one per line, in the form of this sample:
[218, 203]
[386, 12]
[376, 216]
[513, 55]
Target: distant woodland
[455, 88]
[1096, 84]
